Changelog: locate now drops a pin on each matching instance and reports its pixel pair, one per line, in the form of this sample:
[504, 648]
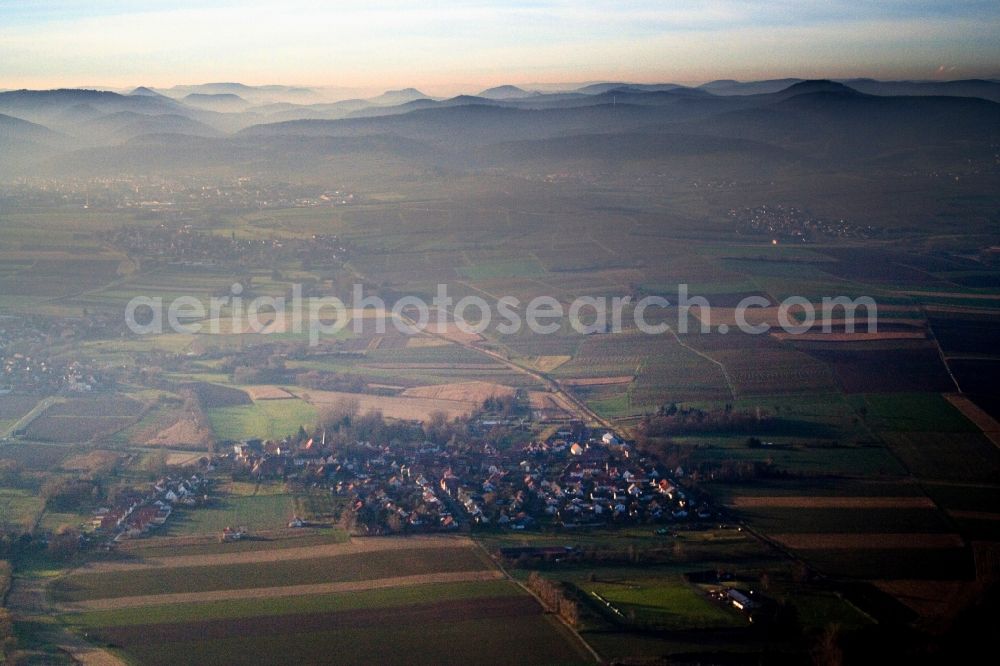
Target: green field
[907, 412]
[360, 566]
[517, 640]
[666, 604]
[847, 461]
[19, 508]
[255, 512]
[427, 623]
[967, 456]
[266, 419]
[318, 603]
[611, 407]
[314, 536]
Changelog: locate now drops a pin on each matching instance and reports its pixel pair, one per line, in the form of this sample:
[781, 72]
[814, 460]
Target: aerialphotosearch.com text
[328, 316]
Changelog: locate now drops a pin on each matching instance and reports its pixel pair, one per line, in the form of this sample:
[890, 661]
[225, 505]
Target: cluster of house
[406, 500]
[263, 459]
[184, 244]
[134, 512]
[791, 222]
[24, 372]
[577, 477]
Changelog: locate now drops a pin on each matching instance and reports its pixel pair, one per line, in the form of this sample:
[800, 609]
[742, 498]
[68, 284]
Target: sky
[448, 47]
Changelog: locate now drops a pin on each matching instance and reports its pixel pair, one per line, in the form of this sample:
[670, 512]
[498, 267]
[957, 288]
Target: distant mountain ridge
[620, 124]
[504, 92]
[392, 97]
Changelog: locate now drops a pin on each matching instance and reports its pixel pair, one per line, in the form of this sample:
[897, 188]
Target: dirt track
[355, 545]
[283, 591]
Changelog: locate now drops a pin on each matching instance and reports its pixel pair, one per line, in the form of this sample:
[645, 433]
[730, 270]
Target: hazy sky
[444, 46]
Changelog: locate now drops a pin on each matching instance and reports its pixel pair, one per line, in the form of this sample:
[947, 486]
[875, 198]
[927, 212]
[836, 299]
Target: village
[180, 243]
[169, 197]
[577, 477]
[793, 223]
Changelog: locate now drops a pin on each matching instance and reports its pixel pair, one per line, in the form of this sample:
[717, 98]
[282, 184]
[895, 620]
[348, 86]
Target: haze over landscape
[525, 333]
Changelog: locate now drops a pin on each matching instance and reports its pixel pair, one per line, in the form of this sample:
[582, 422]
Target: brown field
[419, 341]
[104, 406]
[180, 458]
[186, 431]
[385, 387]
[450, 331]
[474, 391]
[74, 428]
[394, 407]
[184, 426]
[551, 404]
[932, 599]
[806, 502]
[267, 392]
[598, 381]
[91, 461]
[856, 541]
[550, 362]
[283, 591]
[727, 316]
